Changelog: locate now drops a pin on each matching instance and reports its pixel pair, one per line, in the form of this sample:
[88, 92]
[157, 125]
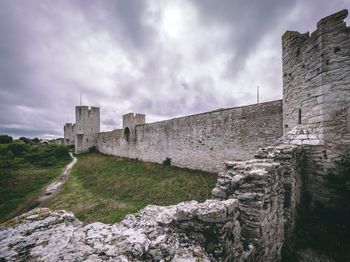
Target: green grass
[105, 188]
[20, 185]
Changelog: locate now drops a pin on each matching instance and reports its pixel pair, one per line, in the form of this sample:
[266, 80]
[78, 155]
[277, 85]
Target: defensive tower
[130, 121]
[316, 93]
[87, 127]
[69, 134]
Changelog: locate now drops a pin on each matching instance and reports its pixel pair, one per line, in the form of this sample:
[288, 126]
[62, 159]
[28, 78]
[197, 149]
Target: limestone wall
[202, 141]
[69, 134]
[316, 78]
[269, 190]
[316, 94]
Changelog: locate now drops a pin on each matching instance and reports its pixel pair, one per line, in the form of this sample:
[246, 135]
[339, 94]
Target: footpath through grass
[25, 169]
[106, 188]
[20, 186]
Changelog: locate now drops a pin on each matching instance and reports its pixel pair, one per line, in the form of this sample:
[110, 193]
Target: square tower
[130, 121]
[316, 79]
[87, 127]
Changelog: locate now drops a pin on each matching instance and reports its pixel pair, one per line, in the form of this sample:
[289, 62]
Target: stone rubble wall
[202, 141]
[172, 233]
[269, 190]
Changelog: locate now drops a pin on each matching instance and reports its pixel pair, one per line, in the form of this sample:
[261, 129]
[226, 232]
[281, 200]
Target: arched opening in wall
[299, 117]
[127, 134]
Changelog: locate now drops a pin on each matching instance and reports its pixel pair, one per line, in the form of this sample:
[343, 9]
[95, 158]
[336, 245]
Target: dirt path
[50, 190]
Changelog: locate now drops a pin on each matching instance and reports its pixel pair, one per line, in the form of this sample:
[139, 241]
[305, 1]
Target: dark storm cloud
[161, 58]
[249, 21]
[123, 20]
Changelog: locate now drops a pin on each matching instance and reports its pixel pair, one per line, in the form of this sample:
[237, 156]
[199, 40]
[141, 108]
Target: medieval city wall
[203, 141]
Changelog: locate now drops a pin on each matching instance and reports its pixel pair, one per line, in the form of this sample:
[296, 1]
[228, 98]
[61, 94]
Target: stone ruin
[255, 200]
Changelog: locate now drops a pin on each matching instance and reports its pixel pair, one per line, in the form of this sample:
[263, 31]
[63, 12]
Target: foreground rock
[155, 233]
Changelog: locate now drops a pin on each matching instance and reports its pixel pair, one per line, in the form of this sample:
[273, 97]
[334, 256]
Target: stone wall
[69, 134]
[87, 127]
[202, 141]
[316, 78]
[316, 94]
[269, 190]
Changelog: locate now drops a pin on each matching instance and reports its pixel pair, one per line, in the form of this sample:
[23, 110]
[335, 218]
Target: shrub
[36, 140]
[24, 139]
[18, 148]
[5, 139]
[167, 162]
[7, 159]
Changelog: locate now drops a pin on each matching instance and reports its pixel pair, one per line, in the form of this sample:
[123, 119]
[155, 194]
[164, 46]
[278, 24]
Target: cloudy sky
[162, 58]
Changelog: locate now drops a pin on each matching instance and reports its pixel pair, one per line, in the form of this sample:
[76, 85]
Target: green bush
[167, 162]
[7, 159]
[47, 155]
[5, 139]
[36, 140]
[19, 153]
[24, 139]
[18, 148]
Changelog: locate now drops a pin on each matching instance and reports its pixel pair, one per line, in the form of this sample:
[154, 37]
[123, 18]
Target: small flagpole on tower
[257, 94]
[80, 98]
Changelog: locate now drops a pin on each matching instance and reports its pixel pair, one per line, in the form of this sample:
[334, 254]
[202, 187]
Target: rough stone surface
[69, 134]
[202, 141]
[87, 127]
[268, 189]
[316, 94]
[176, 233]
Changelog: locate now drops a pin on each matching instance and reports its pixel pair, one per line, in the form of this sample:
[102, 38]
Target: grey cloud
[123, 20]
[249, 21]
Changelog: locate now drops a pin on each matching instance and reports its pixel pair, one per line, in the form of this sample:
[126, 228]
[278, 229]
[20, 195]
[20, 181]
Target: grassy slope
[19, 186]
[105, 188]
